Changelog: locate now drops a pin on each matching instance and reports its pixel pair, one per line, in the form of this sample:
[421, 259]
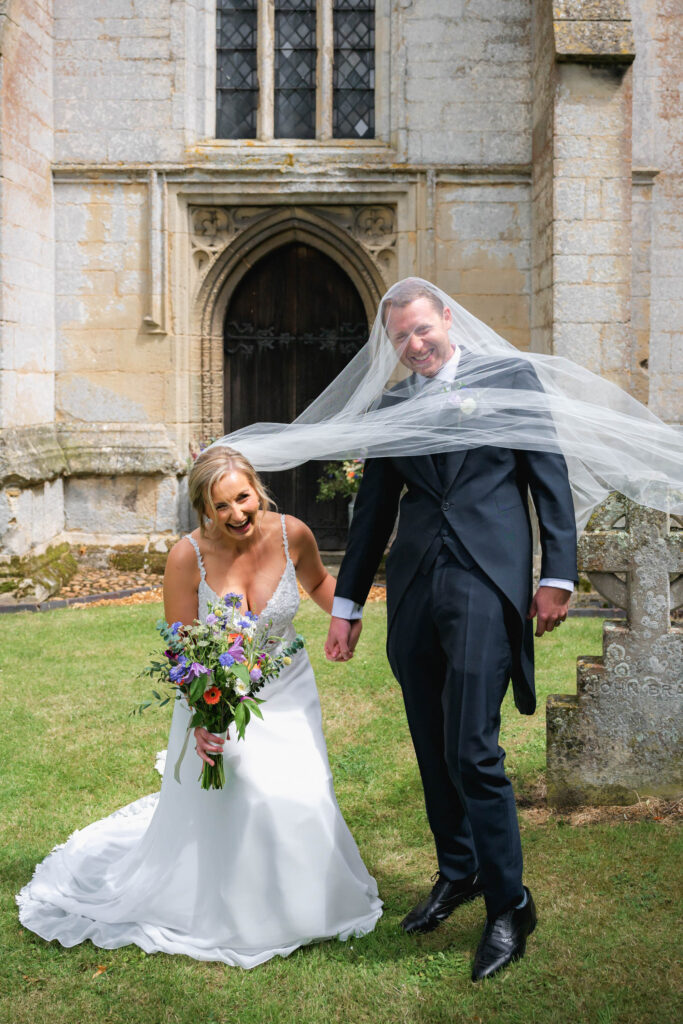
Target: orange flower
[212, 695]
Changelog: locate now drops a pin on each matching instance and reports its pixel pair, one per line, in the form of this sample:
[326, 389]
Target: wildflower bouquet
[218, 666]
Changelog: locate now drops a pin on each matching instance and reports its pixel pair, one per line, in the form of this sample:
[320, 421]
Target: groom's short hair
[406, 292]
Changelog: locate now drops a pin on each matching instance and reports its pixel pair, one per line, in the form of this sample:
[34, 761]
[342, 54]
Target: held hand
[549, 607]
[342, 638]
[206, 743]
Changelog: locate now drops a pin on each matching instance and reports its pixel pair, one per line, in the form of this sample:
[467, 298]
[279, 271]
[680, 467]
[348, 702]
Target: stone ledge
[591, 10]
[594, 42]
[593, 32]
[32, 455]
[114, 449]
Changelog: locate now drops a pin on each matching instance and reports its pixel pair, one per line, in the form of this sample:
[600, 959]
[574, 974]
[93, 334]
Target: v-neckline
[270, 600]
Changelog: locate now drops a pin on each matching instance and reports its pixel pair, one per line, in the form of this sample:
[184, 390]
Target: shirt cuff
[563, 584]
[345, 608]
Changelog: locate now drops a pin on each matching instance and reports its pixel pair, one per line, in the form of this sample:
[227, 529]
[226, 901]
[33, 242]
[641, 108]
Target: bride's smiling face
[237, 506]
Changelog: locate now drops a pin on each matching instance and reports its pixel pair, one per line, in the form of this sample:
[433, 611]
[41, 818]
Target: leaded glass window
[354, 69]
[236, 77]
[295, 61]
[295, 69]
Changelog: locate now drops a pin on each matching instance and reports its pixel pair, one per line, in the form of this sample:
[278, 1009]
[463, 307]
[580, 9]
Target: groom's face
[419, 333]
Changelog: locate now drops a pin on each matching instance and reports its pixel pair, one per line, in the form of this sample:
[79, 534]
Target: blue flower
[176, 673]
[226, 659]
[233, 598]
[176, 626]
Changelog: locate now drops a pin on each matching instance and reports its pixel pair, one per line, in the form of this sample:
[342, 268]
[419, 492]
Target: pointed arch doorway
[293, 322]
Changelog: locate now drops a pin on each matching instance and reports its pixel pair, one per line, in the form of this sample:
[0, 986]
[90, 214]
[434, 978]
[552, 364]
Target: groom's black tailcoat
[459, 586]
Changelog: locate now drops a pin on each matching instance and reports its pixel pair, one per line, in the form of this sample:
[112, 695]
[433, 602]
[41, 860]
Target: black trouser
[449, 649]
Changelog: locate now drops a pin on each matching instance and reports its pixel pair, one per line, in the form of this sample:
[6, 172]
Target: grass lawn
[605, 948]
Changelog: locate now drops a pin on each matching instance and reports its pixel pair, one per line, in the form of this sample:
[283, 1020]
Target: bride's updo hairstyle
[208, 469]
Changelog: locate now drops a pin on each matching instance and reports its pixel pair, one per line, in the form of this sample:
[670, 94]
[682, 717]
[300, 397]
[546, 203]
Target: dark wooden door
[294, 321]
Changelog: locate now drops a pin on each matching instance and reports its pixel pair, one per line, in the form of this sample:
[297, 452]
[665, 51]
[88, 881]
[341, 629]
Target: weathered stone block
[39, 576]
[621, 737]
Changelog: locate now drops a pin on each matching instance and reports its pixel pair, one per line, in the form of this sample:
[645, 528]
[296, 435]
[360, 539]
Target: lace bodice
[282, 605]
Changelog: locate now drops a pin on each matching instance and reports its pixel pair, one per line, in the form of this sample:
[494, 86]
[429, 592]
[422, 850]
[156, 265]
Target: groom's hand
[549, 607]
[342, 638]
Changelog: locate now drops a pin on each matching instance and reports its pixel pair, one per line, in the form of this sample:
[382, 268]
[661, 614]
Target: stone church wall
[31, 505]
[658, 145]
[512, 180]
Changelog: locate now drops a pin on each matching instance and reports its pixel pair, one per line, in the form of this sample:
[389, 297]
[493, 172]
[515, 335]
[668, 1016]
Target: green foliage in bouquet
[218, 666]
[340, 480]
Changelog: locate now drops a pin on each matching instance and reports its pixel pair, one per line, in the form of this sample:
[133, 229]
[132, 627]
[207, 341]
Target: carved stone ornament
[373, 227]
[212, 229]
[620, 735]
[611, 546]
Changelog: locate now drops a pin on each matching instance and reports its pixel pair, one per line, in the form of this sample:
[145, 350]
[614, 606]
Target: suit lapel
[423, 465]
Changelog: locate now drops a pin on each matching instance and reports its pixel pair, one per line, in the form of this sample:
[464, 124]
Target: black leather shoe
[441, 902]
[504, 939]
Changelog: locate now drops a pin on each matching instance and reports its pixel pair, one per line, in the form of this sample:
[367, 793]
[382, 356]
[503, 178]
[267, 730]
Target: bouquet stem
[213, 775]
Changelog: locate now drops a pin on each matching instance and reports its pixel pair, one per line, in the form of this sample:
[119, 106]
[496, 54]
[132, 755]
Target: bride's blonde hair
[208, 469]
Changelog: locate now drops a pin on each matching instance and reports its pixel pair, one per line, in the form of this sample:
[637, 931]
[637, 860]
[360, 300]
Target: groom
[460, 611]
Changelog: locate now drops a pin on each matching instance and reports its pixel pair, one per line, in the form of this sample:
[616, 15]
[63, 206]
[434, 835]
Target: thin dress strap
[284, 536]
[195, 545]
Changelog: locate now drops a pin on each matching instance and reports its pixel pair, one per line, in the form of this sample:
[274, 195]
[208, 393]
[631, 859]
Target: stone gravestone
[619, 737]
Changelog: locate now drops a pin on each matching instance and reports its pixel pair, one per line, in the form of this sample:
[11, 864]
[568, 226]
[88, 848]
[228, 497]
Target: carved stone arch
[275, 229]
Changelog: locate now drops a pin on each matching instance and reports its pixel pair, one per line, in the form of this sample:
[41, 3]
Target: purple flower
[233, 598]
[236, 651]
[176, 626]
[197, 669]
[255, 675]
[211, 618]
[176, 674]
[226, 659]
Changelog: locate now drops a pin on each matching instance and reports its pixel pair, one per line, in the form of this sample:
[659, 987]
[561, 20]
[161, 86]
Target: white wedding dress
[239, 875]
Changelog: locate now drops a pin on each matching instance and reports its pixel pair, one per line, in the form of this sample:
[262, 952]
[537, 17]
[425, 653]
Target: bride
[266, 864]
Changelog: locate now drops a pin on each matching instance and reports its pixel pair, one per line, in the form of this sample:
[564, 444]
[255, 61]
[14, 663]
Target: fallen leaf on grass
[100, 970]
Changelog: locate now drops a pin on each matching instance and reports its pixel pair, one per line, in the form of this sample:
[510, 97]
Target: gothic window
[295, 69]
[236, 82]
[354, 69]
[295, 60]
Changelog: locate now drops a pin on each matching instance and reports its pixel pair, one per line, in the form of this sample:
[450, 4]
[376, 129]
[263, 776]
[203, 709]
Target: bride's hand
[206, 743]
